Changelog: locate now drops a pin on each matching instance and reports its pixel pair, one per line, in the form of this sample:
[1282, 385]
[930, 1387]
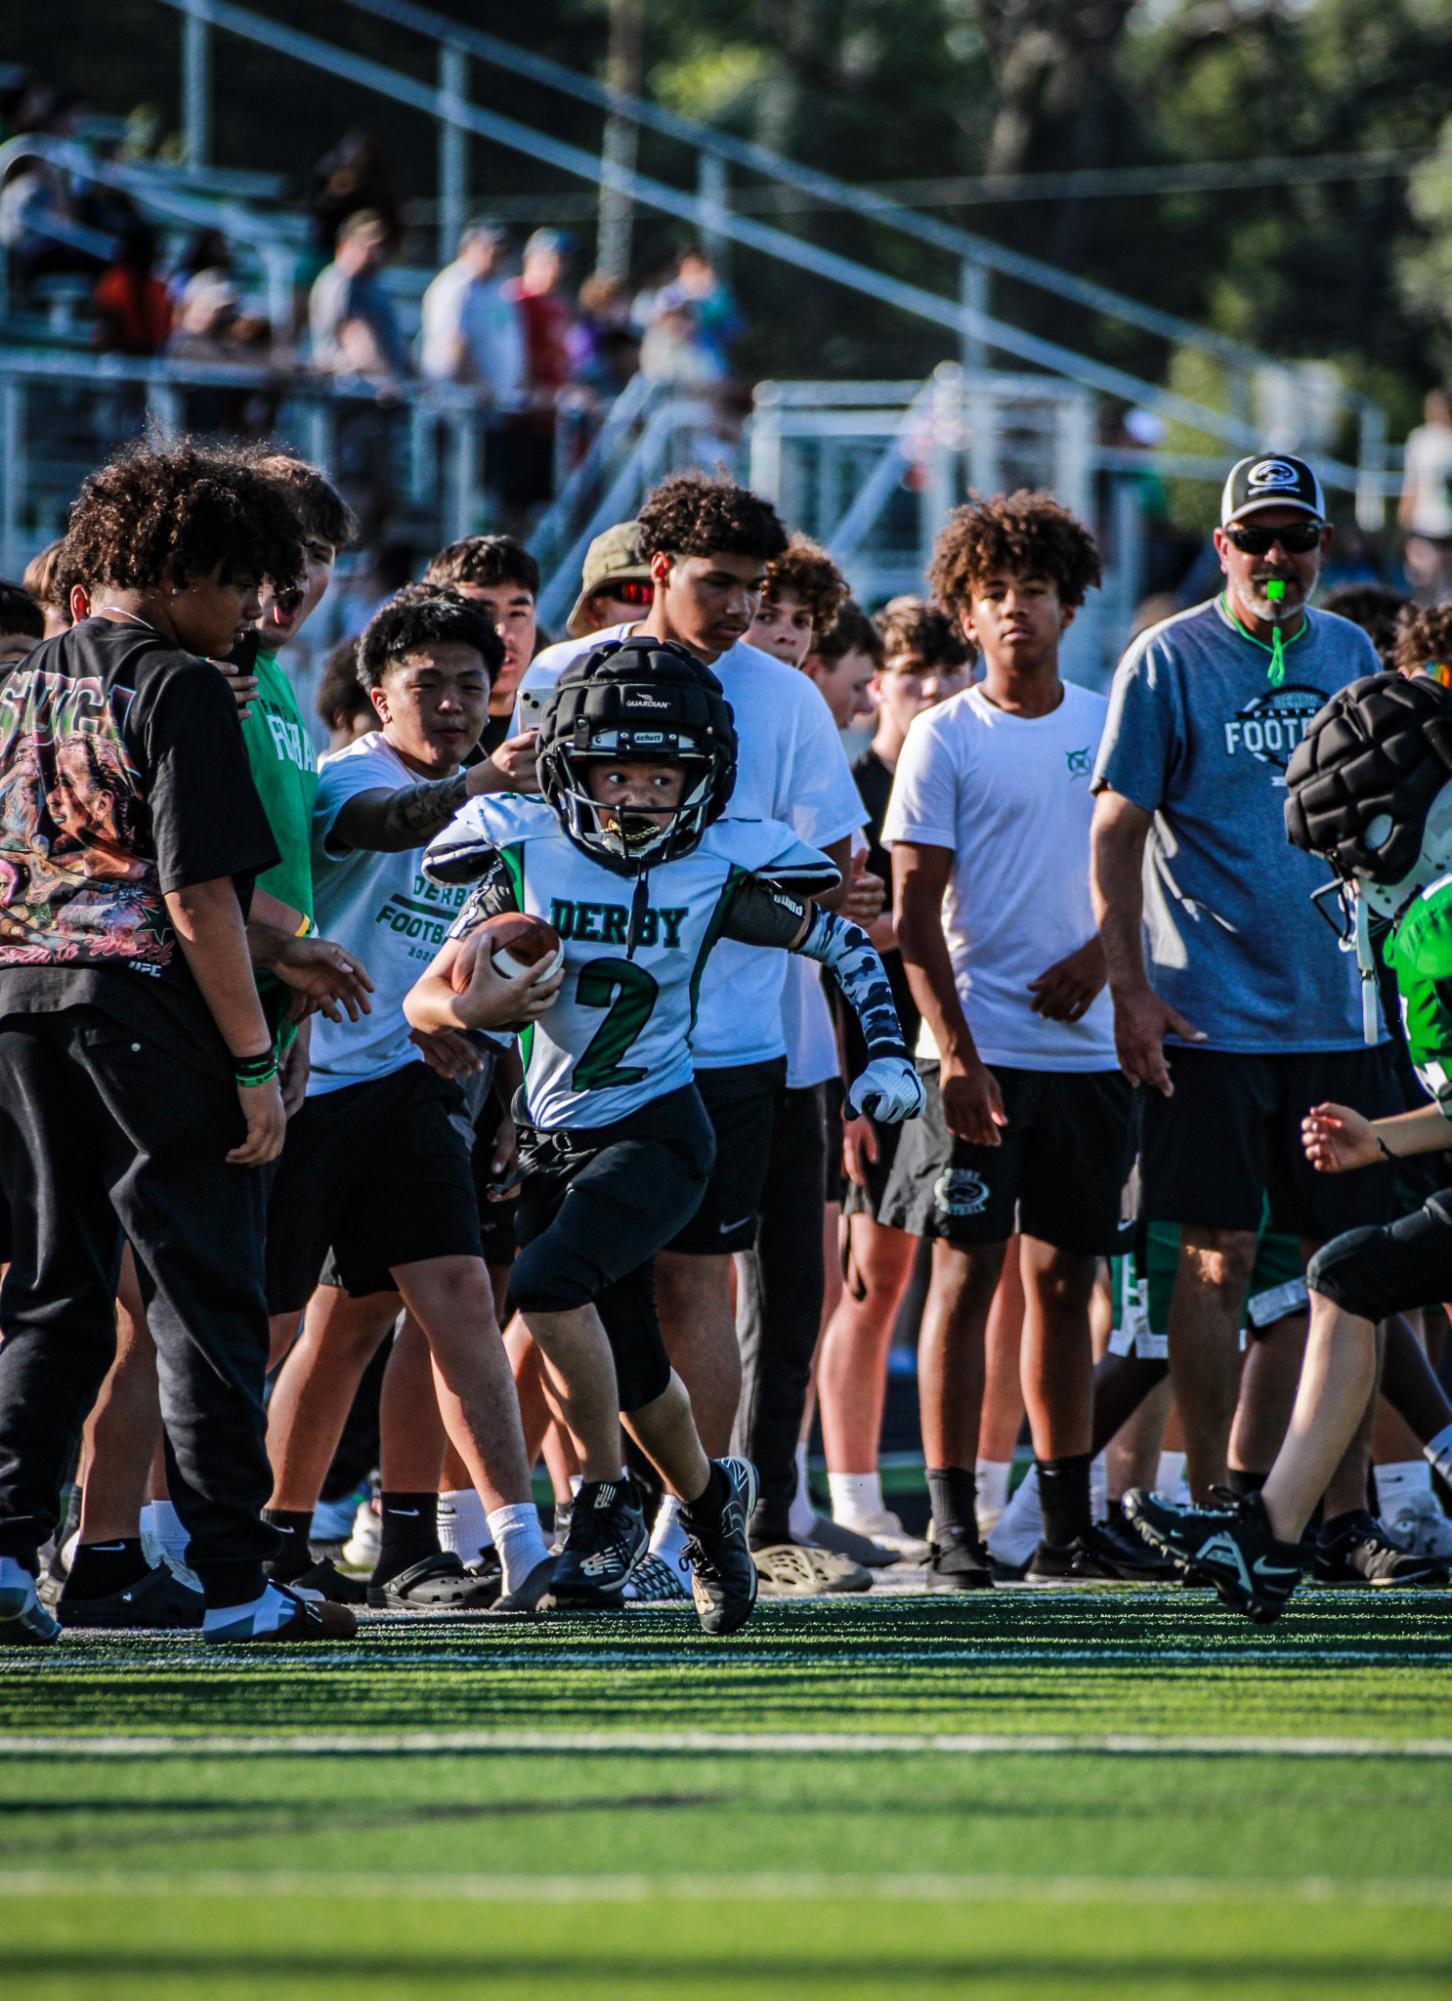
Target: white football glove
[889, 1090]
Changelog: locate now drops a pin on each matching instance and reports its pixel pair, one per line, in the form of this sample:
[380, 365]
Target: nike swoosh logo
[403, 1511]
[1264, 1568]
[725, 1229]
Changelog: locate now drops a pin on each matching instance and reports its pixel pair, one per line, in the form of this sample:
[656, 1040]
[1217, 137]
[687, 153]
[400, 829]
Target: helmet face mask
[638, 701]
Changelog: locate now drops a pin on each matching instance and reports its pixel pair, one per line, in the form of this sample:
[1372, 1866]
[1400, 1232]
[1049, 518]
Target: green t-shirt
[1418, 950]
[285, 772]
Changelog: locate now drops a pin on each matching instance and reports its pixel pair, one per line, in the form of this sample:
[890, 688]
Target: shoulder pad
[769, 848]
[480, 829]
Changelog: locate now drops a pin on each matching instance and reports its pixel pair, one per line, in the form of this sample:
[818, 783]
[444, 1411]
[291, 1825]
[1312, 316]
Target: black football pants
[105, 1136]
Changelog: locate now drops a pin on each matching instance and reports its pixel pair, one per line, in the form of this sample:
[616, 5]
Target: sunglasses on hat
[628, 590]
[1299, 539]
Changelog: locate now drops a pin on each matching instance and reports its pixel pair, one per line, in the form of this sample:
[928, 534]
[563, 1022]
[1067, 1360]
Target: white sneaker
[1419, 1525]
[657, 1580]
[887, 1532]
[360, 1551]
[1016, 1534]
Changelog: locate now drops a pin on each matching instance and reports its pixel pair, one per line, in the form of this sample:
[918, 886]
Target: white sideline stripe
[960, 1744]
[714, 1889]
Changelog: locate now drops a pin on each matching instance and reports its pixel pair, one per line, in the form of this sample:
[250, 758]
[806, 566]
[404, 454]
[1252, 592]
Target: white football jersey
[620, 1032]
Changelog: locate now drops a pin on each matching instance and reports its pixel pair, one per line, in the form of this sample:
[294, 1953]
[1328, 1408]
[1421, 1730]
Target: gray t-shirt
[338, 297]
[1198, 736]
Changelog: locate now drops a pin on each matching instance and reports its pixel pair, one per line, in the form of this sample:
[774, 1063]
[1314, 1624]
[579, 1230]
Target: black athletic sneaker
[607, 1538]
[959, 1563]
[1356, 1549]
[437, 1583]
[1232, 1549]
[156, 1602]
[723, 1572]
[1134, 1559]
[328, 1581]
[1088, 1559]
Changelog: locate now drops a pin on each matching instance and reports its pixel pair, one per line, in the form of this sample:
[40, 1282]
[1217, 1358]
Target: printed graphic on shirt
[75, 890]
[419, 919]
[960, 1192]
[1271, 724]
[1080, 762]
[289, 739]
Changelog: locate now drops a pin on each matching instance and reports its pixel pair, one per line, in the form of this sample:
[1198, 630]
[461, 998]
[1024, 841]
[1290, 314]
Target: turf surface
[1113, 1791]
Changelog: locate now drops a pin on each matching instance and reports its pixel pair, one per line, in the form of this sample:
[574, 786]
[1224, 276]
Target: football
[517, 942]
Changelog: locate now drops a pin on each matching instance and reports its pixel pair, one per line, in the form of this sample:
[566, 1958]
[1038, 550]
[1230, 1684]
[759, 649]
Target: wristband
[304, 927]
[255, 1069]
[1384, 1149]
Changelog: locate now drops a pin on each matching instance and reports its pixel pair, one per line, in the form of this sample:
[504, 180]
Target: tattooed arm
[393, 822]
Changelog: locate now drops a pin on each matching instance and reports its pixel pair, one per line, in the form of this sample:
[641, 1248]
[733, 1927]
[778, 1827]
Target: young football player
[1369, 790]
[630, 859]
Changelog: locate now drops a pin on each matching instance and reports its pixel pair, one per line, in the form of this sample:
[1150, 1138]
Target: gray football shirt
[1199, 736]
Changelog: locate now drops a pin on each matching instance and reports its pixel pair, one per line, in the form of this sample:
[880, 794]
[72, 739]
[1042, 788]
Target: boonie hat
[1270, 479]
[612, 558]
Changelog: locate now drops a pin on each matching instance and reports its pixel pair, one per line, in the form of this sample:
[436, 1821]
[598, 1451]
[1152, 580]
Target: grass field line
[365, 1742]
[392, 1887]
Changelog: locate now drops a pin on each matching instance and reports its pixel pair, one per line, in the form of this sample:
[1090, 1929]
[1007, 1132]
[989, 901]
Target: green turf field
[1105, 1792]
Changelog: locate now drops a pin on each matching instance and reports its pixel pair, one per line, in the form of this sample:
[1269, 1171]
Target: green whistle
[1275, 589]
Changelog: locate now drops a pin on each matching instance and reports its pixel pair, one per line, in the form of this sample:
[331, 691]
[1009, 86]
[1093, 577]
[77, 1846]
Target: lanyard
[1276, 672]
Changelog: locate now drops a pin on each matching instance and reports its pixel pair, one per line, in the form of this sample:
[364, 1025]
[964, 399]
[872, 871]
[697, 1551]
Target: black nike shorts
[740, 1102]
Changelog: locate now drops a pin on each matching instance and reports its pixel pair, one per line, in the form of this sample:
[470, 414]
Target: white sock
[1170, 1473]
[856, 1497]
[577, 1481]
[1400, 1482]
[668, 1537]
[992, 1476]
[1098, 1488]
[166, 1525]
[1438, 1452]
[260, 1615]
[463, 1525]
[519, 1539]
[802, 1518]
[1017, 1531]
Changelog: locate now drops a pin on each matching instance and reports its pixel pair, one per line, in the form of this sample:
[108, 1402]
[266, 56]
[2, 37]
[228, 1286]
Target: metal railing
[60, 412]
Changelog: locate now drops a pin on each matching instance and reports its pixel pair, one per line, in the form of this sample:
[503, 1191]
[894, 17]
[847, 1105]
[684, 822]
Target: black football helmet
[637, 700]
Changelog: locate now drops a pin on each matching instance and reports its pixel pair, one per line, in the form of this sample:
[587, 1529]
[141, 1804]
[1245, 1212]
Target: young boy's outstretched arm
[764, 912]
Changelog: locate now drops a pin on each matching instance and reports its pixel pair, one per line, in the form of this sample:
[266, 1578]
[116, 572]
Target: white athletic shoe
[1019, 1529]
[360, 1551]
[887, 1532]
[655, 1580]
[1419, 1525]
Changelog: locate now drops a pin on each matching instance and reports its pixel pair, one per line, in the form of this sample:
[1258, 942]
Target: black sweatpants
[779, 1291]
[104, 1135]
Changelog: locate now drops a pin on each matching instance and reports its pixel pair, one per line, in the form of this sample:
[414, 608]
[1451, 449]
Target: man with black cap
[1231, 999]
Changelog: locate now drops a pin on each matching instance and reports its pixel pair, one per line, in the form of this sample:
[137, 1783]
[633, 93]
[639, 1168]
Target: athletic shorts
[1142, 1284]
[594, 1208]
[1058, 1174]
[377, 1173]
[1230, 1139]
[1390, 1267]
[740, 1102]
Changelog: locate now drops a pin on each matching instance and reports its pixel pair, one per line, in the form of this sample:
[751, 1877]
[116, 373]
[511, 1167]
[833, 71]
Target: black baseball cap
[1270, 479]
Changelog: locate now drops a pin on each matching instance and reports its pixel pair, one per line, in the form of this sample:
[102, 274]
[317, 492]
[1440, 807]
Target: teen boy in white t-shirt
[1028, 1120]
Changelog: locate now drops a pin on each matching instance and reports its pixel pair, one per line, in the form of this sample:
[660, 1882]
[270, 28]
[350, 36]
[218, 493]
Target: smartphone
[531, 705]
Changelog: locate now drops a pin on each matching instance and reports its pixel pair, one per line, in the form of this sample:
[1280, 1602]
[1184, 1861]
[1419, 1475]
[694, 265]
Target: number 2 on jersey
[629, 992]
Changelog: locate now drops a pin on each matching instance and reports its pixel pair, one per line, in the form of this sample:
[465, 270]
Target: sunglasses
[629, 590]
[1299, 539]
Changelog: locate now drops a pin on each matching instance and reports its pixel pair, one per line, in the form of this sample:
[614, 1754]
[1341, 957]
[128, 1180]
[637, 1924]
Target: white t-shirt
[790, 767]
[1010, 796]
[1429, 478]
[384, 908]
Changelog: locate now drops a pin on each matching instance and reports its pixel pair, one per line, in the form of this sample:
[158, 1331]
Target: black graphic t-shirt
[123, 775]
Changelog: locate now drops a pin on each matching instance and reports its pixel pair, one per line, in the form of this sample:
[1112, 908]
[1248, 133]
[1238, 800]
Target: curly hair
[486, 561]
[425, 615]
[693, 514]
[180, 511]
[806, 570]
[851, 631]
[341, 695]
[1423, 638]
[912, 625]
[1027, 534]
[322, 513]
[1376, 608]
